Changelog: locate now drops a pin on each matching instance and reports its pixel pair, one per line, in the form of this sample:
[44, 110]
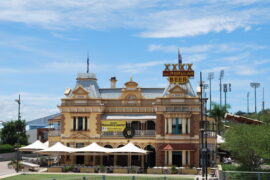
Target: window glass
[80, 123]
[177, 158]
[174, 129]
[179, 126]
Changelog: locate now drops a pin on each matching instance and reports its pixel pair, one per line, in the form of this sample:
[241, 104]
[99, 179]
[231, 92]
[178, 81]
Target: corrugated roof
[42, 121]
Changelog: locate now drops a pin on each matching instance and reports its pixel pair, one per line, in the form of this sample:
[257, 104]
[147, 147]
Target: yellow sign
[113, 126]
[178, 79]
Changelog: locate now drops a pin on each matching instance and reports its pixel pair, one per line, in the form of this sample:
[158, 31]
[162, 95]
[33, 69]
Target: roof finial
[131, 79]
[179, 57]
[87, 71]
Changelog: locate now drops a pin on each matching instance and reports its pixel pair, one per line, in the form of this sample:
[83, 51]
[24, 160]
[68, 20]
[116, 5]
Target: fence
[245, 175]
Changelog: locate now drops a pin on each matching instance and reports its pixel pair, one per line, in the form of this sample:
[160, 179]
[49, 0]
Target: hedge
[6, 148]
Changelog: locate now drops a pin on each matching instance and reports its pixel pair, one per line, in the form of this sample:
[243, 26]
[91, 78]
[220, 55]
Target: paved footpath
[5, 171]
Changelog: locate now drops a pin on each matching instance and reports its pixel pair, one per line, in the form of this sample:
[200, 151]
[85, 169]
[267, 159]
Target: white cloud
[203, 48]
[33, 105]
[171, 18]
[139, 67]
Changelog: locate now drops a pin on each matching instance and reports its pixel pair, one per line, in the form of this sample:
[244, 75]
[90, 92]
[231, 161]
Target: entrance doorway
[177, 158]
[79, 159]
[150, 160]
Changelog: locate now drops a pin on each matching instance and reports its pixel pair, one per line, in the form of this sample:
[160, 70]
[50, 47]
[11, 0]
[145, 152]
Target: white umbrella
[129, 148]
[46, 144]
[94, 148]
[220, 139]
[35, 146]
[56, 149]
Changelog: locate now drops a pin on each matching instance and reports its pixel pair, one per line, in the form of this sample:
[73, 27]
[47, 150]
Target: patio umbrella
[35, 146]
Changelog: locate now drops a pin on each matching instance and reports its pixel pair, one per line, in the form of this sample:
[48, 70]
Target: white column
[170, 125]
[83, 126]
[183, 158]
[184, 126]
[77, 122]
[166, 120]
[188, 157]
[170, 158]
[166, 157]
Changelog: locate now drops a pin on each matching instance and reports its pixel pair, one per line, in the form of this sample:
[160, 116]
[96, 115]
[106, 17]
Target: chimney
[113, 82]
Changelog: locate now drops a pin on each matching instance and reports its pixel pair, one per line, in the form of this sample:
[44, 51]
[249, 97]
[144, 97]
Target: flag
[179, 57]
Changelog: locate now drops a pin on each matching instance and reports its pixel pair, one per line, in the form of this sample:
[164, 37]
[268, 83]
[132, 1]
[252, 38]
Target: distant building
[40, 122]
[241, 119]
[38, 129]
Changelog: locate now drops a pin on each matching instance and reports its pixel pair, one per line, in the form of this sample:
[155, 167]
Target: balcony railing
[54, 133]
[138, 133]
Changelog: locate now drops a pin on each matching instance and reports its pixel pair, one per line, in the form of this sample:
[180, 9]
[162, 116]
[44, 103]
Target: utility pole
[226, 88]
[203, 125]
[19, 118]
[221, 75]
[247, 102]
[210, 77]
[255, 85]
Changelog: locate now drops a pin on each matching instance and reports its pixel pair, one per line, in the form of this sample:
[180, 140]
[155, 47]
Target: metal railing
[54, 133]
[138, 133]
[245, 175]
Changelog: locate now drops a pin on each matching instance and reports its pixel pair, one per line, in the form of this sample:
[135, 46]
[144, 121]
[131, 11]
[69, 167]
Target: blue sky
[44, 44]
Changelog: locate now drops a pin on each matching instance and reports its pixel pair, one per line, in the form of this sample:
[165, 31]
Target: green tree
[14, 132]
[218, 114]
[249, 144]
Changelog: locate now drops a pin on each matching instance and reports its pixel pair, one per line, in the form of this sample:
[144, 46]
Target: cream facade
[164, 121]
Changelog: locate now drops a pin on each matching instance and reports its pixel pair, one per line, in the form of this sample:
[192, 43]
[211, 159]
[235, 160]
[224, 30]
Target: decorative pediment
[80, 92]
[177, 90]
[131, 91]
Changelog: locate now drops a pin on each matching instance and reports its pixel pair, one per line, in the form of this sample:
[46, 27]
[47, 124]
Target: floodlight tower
[210, 77]
[255, 85]
[221, 75]
[226, 88]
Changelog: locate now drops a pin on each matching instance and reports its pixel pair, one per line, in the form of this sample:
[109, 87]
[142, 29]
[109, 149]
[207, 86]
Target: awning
[129, 117]
[35, 146]
[93, 148]
[56, 149]
[129, 148]
[178, 147]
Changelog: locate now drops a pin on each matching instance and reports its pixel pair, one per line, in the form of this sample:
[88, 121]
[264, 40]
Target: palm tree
[218, 114]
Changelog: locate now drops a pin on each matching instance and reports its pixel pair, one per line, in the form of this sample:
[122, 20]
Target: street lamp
[255, 85]
[210, 77]
[19, 118]
[221, 75]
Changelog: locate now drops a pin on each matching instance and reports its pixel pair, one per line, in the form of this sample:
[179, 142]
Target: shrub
[6, 148]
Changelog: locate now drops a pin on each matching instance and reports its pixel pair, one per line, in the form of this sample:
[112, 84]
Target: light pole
[255, 85]
[221, 75]
[226, 88]
[210, 77]
[19, 118]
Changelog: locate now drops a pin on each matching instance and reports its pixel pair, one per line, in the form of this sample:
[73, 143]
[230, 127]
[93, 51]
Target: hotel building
[164, 121]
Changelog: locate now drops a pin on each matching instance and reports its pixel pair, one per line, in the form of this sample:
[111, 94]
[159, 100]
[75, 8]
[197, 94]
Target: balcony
[138, 133]
[54, 133]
